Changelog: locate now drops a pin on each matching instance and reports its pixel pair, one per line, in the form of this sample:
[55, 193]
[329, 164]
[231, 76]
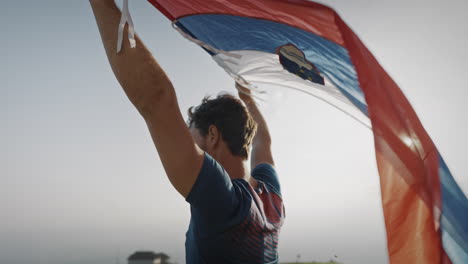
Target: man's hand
[261, 145]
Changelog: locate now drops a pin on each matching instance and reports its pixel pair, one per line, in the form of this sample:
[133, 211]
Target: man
[235, 215]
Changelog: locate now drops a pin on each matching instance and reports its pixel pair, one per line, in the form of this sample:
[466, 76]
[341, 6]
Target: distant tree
[298, 258]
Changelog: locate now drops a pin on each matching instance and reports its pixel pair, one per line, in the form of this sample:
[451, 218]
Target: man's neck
[237, 169]
[234, 166]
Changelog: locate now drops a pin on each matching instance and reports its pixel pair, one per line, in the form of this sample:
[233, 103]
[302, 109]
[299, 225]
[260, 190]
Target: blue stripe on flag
[230, 33]
[454, 220]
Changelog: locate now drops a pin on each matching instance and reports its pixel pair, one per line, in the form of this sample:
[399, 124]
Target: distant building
[148, 257]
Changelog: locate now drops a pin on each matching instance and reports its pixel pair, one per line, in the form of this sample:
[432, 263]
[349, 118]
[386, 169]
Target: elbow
[264, 143]
[148, 104]
[262, 138]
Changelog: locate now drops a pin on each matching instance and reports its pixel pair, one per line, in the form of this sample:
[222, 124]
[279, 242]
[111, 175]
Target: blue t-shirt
[231, 222]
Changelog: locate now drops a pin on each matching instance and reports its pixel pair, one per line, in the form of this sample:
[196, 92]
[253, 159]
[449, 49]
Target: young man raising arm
[235, 215]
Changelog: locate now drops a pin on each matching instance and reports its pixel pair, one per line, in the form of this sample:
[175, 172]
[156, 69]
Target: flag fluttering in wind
[306, 46]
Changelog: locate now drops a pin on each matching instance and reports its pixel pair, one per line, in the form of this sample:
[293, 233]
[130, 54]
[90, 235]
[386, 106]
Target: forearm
[137, 71]
[262, 137]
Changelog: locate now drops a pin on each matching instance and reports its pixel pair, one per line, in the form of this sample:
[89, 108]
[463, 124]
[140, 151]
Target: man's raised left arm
[152, 93]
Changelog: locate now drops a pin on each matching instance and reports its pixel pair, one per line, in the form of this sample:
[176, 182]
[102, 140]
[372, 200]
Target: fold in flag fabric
[306, 46]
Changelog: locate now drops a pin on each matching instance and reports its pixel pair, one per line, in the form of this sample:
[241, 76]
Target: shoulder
[267, 173]
[214, 195]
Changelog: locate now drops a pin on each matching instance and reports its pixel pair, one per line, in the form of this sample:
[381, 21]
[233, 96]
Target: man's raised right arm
[261, 145]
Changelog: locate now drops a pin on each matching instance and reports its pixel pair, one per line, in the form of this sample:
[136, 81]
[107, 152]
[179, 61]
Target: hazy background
[80, 180]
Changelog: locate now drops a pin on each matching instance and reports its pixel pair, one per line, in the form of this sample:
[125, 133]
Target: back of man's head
[230, 117]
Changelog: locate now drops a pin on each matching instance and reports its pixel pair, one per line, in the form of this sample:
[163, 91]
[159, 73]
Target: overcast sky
[82, 183]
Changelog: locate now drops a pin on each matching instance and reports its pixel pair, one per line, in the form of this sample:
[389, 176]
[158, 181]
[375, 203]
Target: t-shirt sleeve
[214, 197]
[267, 174]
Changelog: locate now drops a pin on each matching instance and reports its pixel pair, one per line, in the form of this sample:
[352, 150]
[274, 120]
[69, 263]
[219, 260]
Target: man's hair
[228, 114]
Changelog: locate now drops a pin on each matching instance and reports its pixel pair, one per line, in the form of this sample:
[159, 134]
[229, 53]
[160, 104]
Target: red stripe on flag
[309, 16]
[406, 159]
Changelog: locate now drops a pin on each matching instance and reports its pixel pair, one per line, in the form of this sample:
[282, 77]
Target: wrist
[244, 97]
[249, 102]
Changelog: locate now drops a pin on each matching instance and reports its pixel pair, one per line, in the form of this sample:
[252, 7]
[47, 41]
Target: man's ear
[213, 136]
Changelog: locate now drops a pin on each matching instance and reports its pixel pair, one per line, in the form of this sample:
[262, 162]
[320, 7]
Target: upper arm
[181, 157]
[261, 153]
